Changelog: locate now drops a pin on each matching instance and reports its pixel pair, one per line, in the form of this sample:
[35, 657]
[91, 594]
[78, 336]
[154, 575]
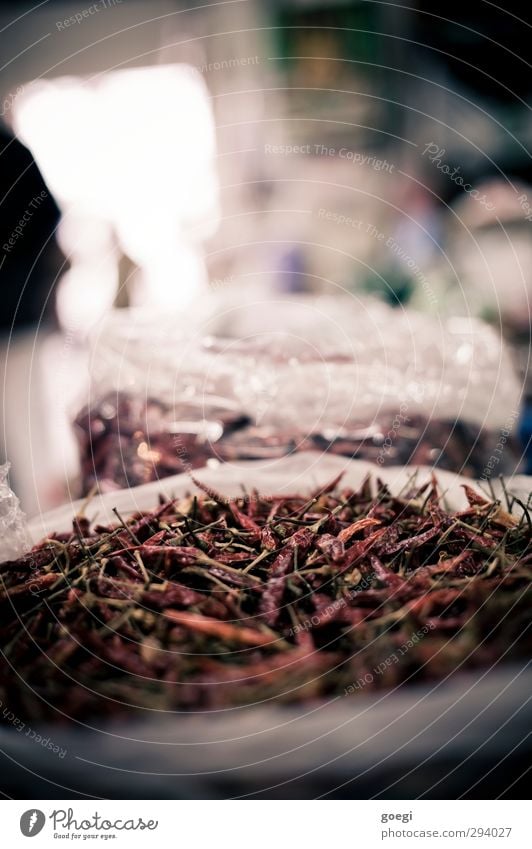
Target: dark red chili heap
[206, 603]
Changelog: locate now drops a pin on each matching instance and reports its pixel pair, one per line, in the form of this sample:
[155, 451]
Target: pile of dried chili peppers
[207, 602]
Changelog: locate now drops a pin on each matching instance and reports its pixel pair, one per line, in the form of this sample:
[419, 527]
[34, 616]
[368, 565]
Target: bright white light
[130, 152]
[85, 293]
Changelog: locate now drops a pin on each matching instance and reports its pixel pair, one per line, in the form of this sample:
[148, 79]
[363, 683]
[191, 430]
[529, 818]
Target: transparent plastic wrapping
[14, 537]
[342, 359]
[351, 377]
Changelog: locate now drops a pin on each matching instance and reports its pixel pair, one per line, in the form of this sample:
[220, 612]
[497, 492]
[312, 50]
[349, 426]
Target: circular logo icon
[32, 822]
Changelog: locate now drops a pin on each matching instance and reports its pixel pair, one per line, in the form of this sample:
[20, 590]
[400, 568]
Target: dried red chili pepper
[211, 602]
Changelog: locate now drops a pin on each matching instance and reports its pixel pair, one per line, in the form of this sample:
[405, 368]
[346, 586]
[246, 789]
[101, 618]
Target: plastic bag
[264, 378]
[14, 537]
[159, 400]
[344, 359]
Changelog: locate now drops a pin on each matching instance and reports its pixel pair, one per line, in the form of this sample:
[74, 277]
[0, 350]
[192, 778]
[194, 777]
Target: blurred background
[167, 166]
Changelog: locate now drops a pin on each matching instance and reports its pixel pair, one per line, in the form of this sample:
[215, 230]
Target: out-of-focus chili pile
[125, 441]
[208, 602]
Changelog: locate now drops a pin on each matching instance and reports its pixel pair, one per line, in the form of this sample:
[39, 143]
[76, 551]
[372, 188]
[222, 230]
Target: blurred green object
[331, 57]
[351, 27]
[391, 285]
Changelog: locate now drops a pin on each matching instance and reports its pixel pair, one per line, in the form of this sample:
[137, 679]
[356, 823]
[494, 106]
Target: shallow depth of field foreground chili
[206, 603]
